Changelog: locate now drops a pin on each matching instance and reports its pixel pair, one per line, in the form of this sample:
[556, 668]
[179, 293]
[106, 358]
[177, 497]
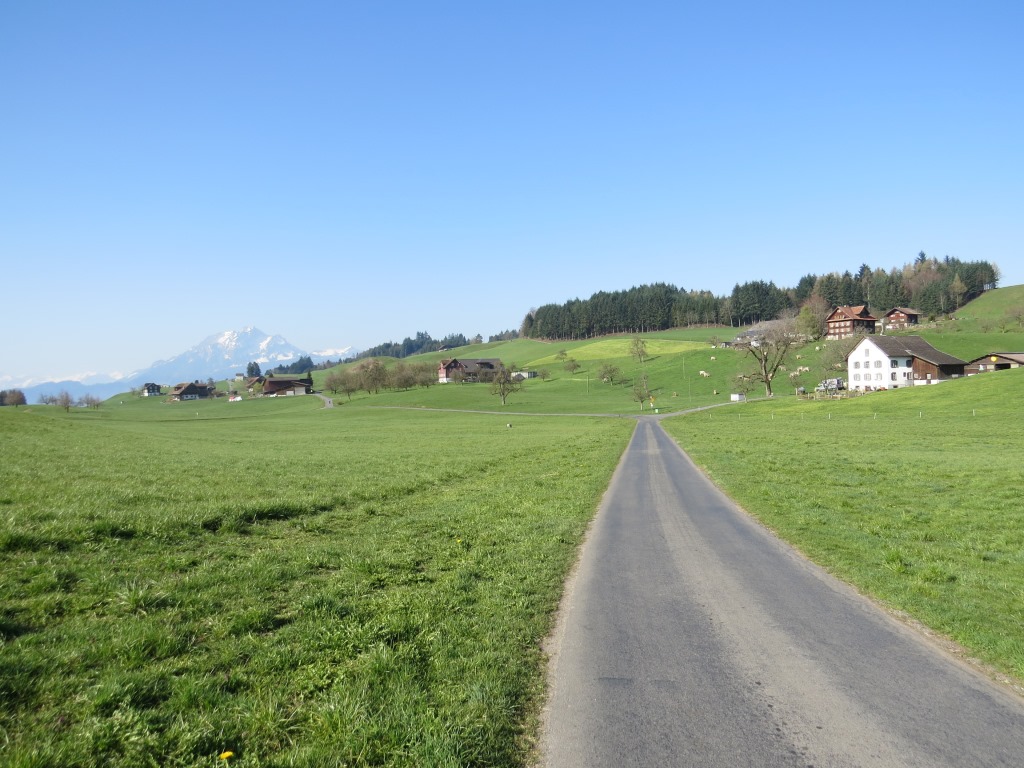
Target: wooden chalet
[996, 361]
[844, 322]
[900, 317]
[151, 390]
[281, 386]
[890, 362]
[466, 369]
[191, 390]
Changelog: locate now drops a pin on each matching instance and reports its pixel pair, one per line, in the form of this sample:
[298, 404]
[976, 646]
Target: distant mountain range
[219, 356]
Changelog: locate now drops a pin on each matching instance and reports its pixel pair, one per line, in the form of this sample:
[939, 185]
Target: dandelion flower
[226, 755]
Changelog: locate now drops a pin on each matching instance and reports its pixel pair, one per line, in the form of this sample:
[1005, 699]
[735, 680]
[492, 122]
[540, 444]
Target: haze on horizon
[349, 174]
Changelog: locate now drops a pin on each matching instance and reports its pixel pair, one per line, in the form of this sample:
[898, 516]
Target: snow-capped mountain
[222, 355]
[219, 356]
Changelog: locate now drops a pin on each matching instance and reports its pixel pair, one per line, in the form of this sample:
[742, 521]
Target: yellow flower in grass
[226, 755]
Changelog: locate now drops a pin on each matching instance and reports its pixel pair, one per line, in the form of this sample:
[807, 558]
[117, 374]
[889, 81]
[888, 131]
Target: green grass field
[296, 585]
[369, 584]
[913, 496]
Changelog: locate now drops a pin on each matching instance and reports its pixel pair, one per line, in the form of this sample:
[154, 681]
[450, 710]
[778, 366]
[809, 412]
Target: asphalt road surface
[689, 636]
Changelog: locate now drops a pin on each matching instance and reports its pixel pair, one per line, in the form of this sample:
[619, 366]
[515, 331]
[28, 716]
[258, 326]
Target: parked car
[830, 385]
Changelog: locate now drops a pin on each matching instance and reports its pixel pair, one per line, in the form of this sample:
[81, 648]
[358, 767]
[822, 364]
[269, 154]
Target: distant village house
[281, 386]
[466, 369]
[844, 322]
[899, 318]
[192, 390]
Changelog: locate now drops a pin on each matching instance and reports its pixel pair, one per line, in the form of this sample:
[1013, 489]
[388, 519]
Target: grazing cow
[705, 374]
[712, 357]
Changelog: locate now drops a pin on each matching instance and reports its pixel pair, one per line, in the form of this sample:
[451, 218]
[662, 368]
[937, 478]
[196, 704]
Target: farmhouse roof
[472, 365]
[1017, 357]
[858, 312]
[905, 311]
[914, 346]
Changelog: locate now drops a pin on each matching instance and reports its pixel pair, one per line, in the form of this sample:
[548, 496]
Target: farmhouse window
[856, 364]
[878, 363]
[894, 375]
[894, 363]
[856, 377]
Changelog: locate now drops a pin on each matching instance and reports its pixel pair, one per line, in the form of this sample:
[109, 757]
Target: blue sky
[348, 173]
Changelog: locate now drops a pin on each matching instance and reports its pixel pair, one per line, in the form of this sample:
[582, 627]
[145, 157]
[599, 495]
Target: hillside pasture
[297, 585]
[672, 374]
[913, 496]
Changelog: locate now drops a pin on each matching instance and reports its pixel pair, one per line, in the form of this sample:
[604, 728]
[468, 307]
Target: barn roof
[859, 312]
[1017, 357]
[914, 346]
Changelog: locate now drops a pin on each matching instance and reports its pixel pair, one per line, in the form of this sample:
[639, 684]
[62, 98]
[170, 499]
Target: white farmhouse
[888, 362]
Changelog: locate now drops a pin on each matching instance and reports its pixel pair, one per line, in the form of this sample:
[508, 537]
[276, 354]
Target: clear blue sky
[348, 173]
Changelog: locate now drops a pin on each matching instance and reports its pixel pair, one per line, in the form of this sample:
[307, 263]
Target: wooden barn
[996, 361]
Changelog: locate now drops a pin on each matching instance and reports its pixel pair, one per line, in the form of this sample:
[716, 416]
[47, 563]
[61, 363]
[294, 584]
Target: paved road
[691, 637]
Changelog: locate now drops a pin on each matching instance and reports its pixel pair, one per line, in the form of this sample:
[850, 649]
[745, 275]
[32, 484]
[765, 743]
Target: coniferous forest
[933, 286]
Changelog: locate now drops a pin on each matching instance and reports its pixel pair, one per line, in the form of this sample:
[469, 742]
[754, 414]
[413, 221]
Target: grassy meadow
[672, 366]
[293, 584]
[368, 584]
[913, 496]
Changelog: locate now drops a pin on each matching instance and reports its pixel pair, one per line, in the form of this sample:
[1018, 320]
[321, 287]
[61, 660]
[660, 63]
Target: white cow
[705, 374]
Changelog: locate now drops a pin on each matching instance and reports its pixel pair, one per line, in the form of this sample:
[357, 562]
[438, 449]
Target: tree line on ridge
[932, 286]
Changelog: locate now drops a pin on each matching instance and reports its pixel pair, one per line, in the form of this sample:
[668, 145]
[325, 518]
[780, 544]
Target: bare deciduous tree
[638, 349]
[373, 375]
[608, 373]
[333, 381]
[402, 376]
[572, 366]
[769, 349]
[504, 383]
[13, 397]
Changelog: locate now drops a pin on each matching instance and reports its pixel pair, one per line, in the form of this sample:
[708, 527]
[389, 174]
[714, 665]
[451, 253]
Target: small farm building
[996, 361]
[281, 386]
